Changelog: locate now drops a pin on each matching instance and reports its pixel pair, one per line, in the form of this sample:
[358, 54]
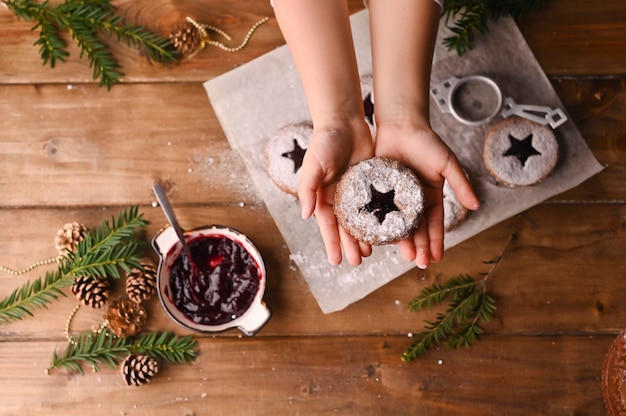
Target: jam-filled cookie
[367, 94]
[284, 153]
[454, 213]
[379, 201]
[520, 152]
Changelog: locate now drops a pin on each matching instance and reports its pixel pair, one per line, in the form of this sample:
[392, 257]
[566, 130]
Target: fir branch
[110, 246]
[166, 346]
[103, 252]
[93, 348]
[87, 21]
[469, 304]
[471, 17]
[33, 295]
[101, 348]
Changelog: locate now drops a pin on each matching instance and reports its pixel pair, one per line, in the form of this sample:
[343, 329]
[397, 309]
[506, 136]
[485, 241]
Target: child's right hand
[332, 150]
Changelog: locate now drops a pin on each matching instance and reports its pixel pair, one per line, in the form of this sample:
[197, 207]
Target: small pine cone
[186, 39]
[68, 237]
[141, 284]
[125, 318]
[92, 291]
[138, 369]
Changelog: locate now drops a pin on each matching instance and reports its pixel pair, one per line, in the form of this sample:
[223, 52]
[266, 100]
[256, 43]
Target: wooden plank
[597, 107]
[573, 38]
[79, 145]
[548, 282]
[569, 37]
[556, 375]
[20, 61]
[73, 152]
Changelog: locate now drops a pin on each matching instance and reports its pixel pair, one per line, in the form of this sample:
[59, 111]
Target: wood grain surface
[71, 151]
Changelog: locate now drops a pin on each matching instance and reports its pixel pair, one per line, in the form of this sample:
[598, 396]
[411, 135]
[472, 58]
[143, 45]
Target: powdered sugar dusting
[280, 168]
[453, 211]
[222, 171]
[508, 169]
[354, 192]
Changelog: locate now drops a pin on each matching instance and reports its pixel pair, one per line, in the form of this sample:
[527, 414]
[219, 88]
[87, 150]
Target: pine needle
[467, 18]
[468, 305]
[105, 250]
[103, 348]
[87, 22]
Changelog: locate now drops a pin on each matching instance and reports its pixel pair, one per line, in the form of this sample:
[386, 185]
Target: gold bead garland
[29, 268]
[68, 323]
[205, 39]
[67, 238]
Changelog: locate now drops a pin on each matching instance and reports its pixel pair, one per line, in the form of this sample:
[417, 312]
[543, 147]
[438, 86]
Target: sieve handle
[537, 113]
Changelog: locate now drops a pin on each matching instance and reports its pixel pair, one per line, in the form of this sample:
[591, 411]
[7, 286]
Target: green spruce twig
[87, 21]
[469, 304]
[103, 348]
[103, 252]
[467, 18]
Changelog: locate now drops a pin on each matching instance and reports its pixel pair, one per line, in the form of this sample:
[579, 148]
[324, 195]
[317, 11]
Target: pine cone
[92, 291]
[138, 369]
[125, 318]
[141, 285]
[68, 237]
[186, 38]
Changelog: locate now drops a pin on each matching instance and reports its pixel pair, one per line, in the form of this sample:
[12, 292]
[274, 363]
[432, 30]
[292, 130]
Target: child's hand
[332, 150]
[423, 151]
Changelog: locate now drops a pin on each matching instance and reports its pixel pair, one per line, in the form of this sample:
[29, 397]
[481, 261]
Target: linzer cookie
[284, 153]
[454, 213]
[367, 94]
[520, 152]
[379, 201]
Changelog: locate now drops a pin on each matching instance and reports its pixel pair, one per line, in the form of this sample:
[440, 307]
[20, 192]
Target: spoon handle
[159, 192]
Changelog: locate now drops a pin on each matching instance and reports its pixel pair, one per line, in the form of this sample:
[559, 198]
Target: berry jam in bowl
[221, 288]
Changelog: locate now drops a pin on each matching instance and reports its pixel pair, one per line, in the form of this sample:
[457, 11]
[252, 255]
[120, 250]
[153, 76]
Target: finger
[407, 249]
[366, 249]
[311, 179]
[422, 244]
[461, 185]
[434, 222]
[351, 247]
[329, 229]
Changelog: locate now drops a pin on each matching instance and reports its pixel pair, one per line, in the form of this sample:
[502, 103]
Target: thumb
[311, 179]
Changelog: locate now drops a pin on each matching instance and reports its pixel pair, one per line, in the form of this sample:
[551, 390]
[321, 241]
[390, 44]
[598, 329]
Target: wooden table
[71, 151]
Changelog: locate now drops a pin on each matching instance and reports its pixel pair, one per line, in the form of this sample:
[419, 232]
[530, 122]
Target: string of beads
[29, 268]
[206, 39]
[68, 323]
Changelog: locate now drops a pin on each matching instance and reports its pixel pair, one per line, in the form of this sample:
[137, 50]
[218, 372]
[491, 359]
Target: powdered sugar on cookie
[284, 153]
[520, 152]
[379, 201]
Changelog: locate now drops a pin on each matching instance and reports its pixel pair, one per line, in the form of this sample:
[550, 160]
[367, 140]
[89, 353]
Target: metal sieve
[476, 99]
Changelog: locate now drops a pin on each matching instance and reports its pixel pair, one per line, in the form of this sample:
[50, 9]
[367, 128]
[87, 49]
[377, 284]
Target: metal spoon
[159, 192]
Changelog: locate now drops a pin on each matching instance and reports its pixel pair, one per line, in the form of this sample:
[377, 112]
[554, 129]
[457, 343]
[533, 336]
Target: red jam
[221, 287]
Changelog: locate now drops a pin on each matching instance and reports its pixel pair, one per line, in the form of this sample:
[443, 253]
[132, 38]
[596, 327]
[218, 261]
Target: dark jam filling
[381, 204]
[368, 106]
[521, 149]
[221, 287]
[296, 155]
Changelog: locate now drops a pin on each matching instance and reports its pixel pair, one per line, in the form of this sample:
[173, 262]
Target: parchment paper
[255, 99]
